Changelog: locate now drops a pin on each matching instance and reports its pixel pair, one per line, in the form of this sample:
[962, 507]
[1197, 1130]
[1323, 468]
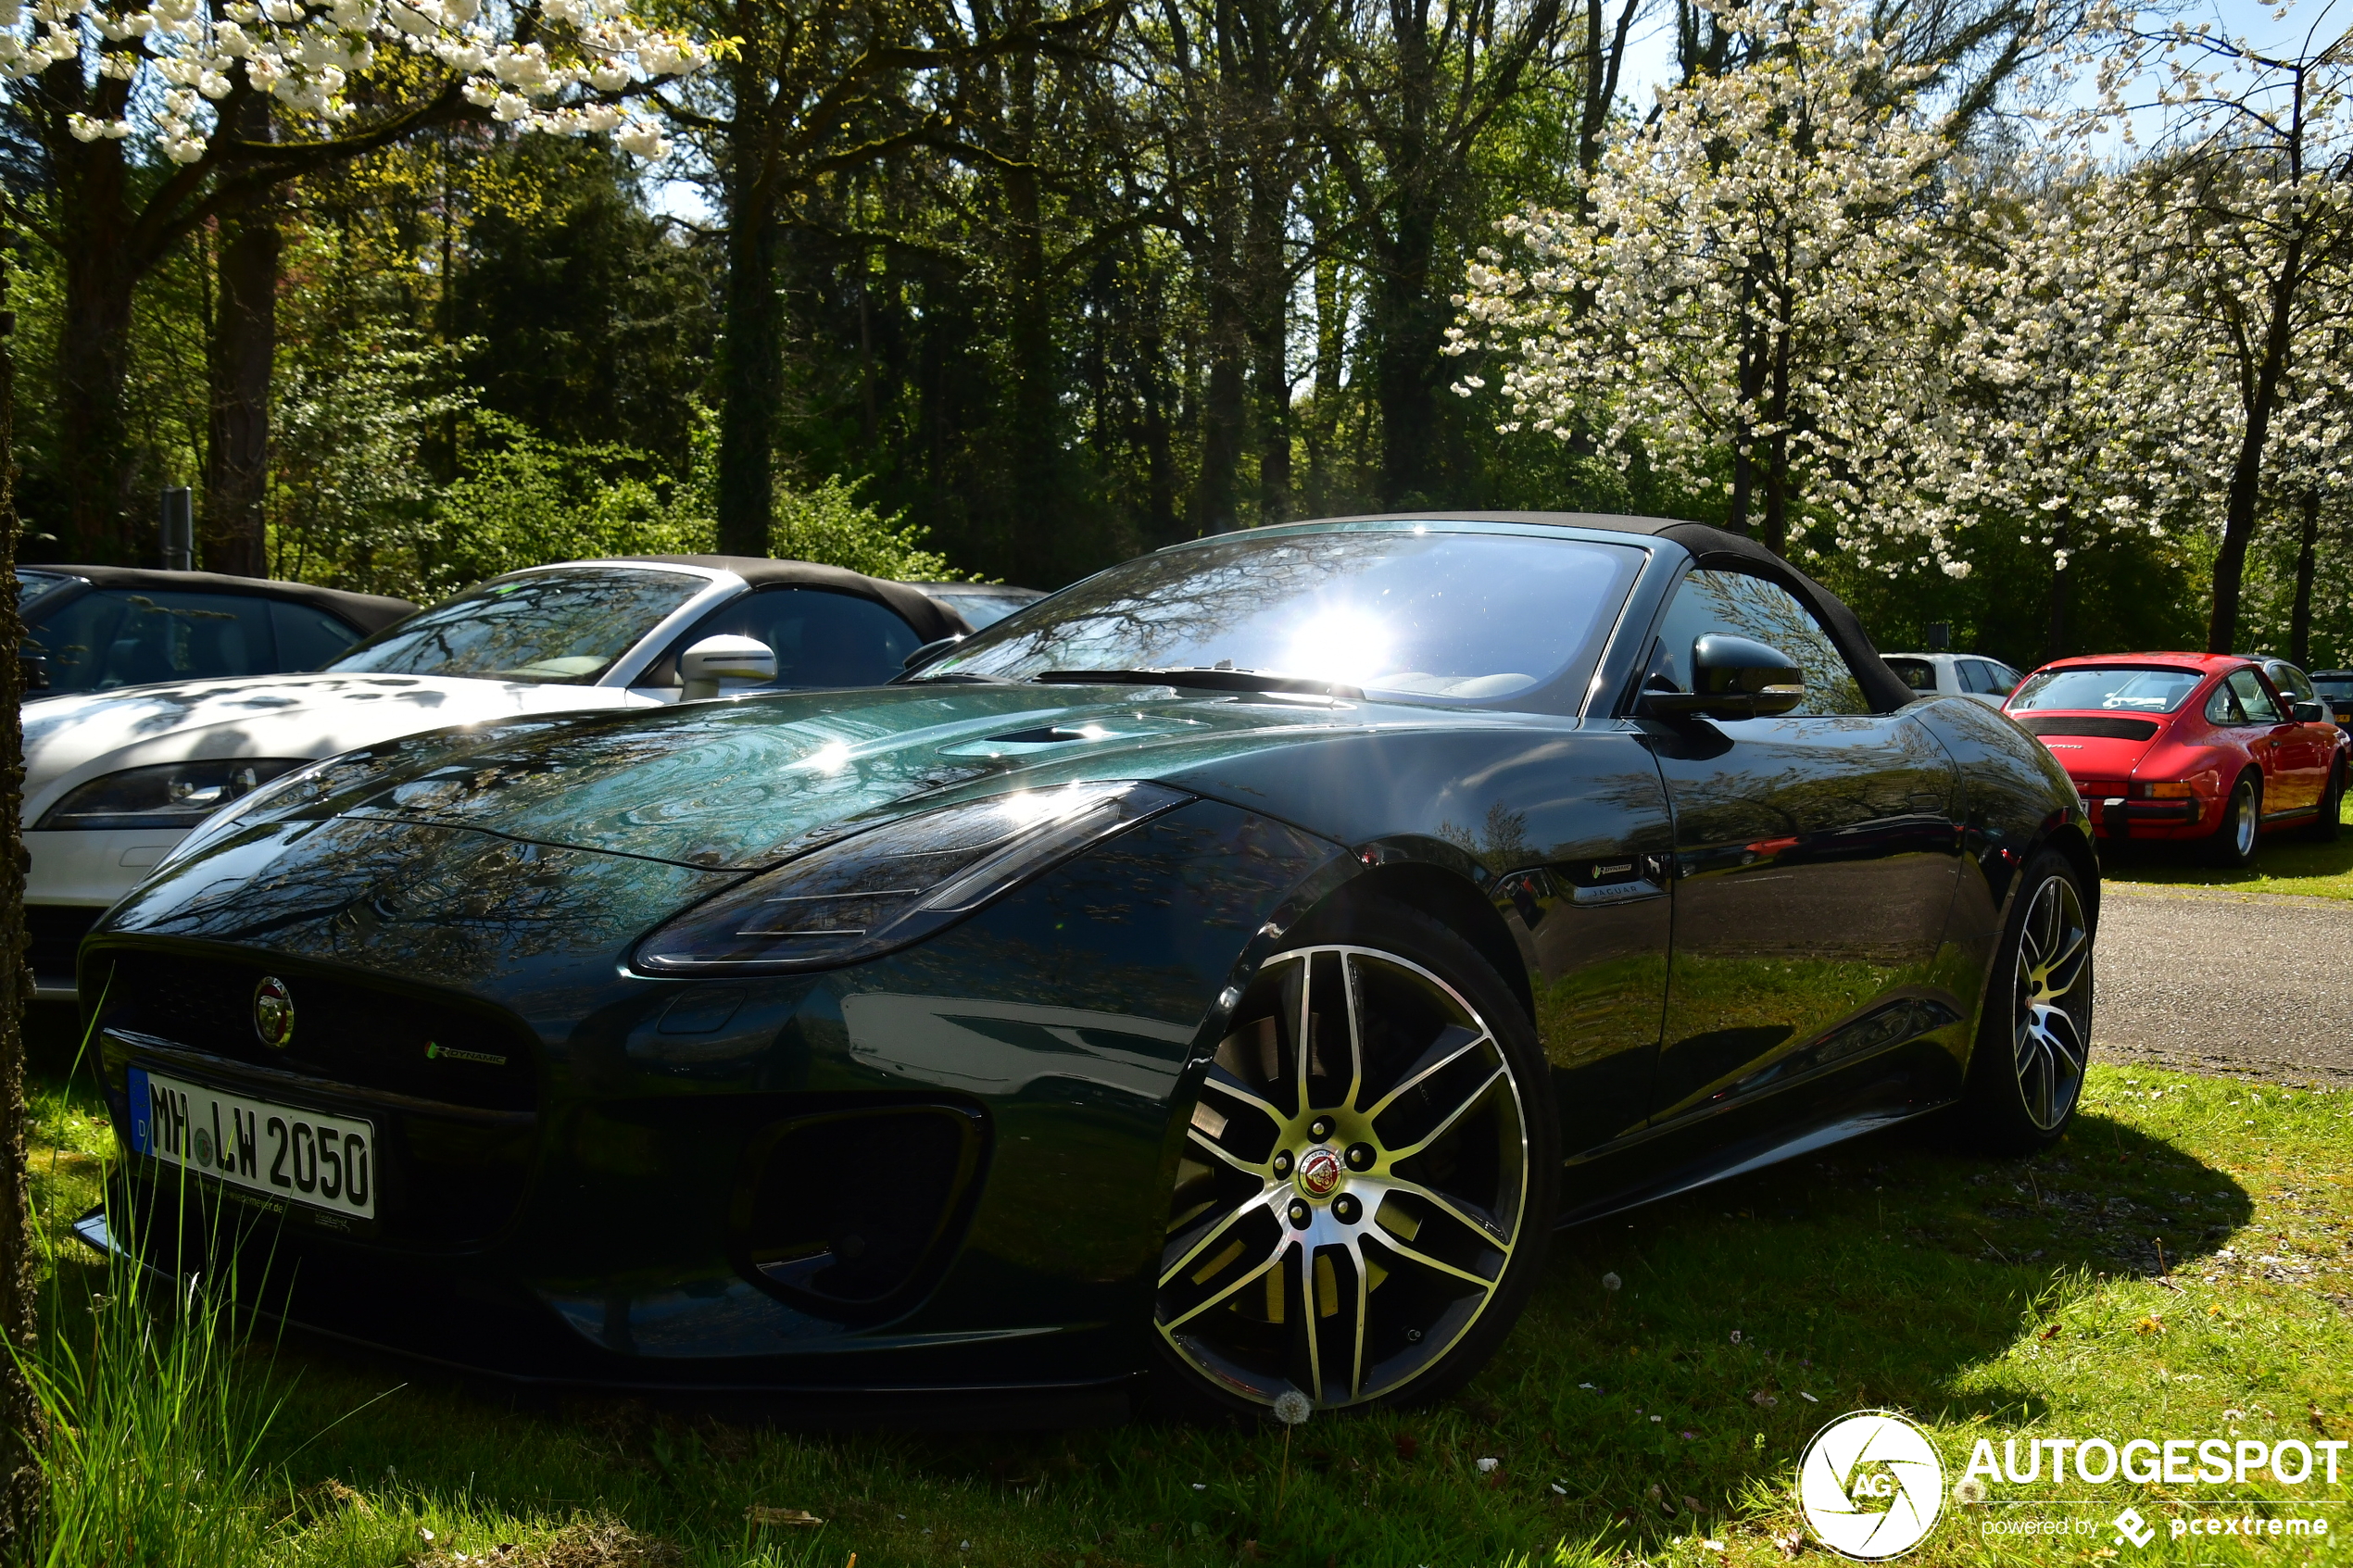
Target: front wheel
[1368, 1177]
[2026, 1074]
[2233, 846]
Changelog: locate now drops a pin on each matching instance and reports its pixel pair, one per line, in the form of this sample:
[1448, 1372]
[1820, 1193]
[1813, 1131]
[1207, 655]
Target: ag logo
[1871, 1486]
[273, 1012]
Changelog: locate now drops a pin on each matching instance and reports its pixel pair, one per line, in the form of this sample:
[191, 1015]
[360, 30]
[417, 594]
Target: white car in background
[1956, 674]
[114, 779]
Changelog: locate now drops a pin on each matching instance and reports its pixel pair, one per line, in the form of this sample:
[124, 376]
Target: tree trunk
[1223, 417]
[1036, 424]
[2055, 641]
[20, 1425]
[2299, 626]
[93, 360]
[2246, 474]
[751, 370]
[237, 536]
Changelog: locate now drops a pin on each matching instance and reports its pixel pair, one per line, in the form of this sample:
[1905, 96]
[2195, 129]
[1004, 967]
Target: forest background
[1022, 292]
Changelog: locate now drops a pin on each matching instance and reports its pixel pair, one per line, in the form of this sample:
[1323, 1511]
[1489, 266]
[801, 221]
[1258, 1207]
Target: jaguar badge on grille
[273, 1012]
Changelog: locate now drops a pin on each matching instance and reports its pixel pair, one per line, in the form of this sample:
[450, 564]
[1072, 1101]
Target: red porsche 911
[2187, 747]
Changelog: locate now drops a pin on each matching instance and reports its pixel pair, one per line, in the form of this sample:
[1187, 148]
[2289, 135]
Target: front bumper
[679, 1197]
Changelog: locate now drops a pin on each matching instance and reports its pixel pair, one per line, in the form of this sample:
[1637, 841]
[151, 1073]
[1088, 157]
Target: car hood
[69, 740]
[744, 785]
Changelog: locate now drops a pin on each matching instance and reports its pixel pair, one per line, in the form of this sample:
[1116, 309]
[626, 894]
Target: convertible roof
[369, 612]
[1886, 690]
[930, 618]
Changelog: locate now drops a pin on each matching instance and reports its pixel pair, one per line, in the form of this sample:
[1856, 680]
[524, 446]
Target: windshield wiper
[1225, 679]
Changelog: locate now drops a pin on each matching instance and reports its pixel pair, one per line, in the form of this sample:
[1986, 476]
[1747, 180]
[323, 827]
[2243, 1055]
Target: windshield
[566, 626]
[2121, 688]
[31, 585]
[2333, 685]
[1408, 611]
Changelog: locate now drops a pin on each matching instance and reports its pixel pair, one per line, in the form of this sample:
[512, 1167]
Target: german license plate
[302, 1156]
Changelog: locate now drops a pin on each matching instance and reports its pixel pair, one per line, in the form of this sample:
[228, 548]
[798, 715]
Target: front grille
[450, 1090]
[57, 930]
[344, 1032]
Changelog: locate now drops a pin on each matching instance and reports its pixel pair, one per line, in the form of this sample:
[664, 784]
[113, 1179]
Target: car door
[2295, 765]
[1816, 861]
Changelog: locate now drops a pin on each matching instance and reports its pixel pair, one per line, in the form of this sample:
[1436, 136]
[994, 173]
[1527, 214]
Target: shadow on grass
[1892, 1272]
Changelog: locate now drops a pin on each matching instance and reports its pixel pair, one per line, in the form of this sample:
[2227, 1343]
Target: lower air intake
[850, 1213]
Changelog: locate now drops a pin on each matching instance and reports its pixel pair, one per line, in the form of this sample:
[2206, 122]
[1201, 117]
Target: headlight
[306, 782]
[170, 795]
[895, 883]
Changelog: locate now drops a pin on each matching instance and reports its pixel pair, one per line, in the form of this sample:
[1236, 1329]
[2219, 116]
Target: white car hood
[69, 740]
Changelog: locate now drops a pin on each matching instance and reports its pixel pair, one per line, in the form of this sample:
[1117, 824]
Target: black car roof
[369, 612]
[930, 618]
[1883, 688]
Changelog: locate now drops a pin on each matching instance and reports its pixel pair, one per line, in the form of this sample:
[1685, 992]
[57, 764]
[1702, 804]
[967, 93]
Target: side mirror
[930, 651]
[1732, 678]
[2310, 712]
[725, 657]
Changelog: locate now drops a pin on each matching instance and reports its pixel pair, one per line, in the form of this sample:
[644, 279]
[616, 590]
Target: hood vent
[2091, 726]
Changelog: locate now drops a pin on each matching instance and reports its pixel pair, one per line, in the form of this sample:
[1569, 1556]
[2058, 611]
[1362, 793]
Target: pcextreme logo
[1871, 1485]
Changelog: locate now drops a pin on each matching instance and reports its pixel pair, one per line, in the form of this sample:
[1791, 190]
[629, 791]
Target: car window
[113, 637]
[2259, 704]
[306, 638]
[2123, 688]
[31, 586]
[1918, 673]
[2290, 681]
[2332, 685]
[561, 627]
[1749, 606]
[2006, 679]
[1427, 614]
[820, 638]
[1978, 676]
[2223, 708]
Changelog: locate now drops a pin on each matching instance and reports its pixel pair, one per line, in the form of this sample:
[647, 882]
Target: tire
[2026, 1073]
[2235, 836]
[1401, 1180]
[2329, 826]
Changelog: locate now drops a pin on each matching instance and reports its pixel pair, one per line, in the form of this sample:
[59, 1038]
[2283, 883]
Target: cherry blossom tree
[155, 118]
[2246, 201]
[1738, 266]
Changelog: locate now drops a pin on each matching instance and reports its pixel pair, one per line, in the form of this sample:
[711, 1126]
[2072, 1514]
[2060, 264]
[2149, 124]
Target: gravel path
[2210, 981]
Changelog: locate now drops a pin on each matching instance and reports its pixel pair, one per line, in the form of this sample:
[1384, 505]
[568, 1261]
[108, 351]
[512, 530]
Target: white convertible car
[114, 779]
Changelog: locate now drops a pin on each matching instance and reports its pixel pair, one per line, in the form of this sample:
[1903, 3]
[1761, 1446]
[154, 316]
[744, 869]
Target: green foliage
[521, 499]
[350, 498]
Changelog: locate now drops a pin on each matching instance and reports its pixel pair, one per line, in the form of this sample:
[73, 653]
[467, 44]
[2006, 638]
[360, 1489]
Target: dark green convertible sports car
[1215, 980]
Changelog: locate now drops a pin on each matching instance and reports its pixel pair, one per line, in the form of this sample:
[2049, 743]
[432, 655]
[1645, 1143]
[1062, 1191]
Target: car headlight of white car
[166, 794]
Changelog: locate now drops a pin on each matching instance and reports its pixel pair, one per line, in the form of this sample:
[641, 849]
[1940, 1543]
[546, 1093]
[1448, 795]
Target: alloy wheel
[1353, 1185]
[2053, 964]
[2242, 822]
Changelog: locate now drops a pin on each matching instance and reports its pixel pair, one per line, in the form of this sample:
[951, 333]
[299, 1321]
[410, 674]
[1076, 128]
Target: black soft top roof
[930, 618]
[369, 612]
[1886, 690]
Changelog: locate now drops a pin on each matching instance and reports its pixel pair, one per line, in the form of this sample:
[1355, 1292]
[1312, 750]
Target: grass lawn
[1659, 1425]
[2285, 863]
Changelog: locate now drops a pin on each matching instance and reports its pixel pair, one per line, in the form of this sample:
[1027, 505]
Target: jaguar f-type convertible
[1216, 980]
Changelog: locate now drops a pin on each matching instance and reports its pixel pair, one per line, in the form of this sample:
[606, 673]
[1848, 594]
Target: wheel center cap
[1319, 1172]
